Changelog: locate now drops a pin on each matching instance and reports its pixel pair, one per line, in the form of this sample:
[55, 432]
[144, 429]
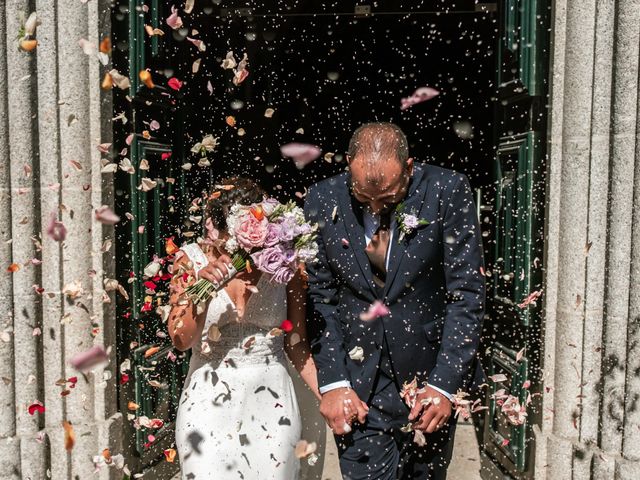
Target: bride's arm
[185, 325]
[296, 341]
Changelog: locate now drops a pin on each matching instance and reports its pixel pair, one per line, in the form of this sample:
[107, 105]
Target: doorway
[317, 70]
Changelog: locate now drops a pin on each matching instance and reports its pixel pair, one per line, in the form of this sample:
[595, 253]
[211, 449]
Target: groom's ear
[409, 165]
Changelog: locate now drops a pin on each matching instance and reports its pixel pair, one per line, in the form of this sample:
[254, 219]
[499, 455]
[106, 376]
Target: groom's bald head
[378, 141]
[380, 165]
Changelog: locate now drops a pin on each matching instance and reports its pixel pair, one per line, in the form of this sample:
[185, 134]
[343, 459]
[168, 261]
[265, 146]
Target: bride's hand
[217, 270]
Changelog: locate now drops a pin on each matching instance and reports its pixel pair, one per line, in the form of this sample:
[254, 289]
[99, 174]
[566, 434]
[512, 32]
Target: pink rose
[251, 232]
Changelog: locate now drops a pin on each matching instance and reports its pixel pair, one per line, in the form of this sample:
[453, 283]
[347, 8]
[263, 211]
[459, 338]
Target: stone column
[589, 427]
[625, 101]
[27, 374]
[7, 387]
[53, 115]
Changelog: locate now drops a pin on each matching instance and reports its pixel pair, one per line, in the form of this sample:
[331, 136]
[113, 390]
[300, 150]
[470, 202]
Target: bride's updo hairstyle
[244, 192]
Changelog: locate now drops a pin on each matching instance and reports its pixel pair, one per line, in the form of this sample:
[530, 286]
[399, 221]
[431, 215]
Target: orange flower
[231, 121]
[13, 268]
[151, 351]
[69, 435]
[171, 247]
[170, 455]
[107, 82]
[145, 77]
[105, 45]
[106, 454]
[133, 406]
[257, 212]
[28, 45]
[215, 195]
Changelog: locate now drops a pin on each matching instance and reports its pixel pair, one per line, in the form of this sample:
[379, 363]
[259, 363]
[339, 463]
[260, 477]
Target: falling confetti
[420, 95]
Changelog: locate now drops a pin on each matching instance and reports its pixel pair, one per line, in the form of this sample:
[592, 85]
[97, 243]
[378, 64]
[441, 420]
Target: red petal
[175, 84]
[36, 407]
[286, 325]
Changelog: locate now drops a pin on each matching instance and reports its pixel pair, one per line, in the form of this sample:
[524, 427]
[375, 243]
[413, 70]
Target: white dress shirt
[371, 223]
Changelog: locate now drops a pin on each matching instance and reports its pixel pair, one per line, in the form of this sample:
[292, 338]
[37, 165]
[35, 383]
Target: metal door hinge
[362, 10]
[486, 7]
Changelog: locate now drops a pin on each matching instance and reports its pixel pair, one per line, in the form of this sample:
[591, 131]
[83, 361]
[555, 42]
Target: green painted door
[151, 200]
[513, 357]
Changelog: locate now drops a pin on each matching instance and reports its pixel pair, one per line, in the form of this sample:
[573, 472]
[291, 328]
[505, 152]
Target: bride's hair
[244, 192]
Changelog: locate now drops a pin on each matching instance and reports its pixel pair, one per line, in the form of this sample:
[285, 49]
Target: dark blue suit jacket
[434, 288]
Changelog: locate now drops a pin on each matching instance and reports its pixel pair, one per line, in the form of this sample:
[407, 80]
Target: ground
[465, 464]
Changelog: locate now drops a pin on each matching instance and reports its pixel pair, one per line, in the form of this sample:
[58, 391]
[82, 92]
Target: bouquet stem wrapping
[203, 289]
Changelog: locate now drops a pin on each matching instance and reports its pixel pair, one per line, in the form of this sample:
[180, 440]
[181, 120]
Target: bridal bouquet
[269, 235]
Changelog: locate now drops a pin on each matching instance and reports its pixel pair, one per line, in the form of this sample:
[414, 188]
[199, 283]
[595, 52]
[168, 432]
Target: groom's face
[380, 190]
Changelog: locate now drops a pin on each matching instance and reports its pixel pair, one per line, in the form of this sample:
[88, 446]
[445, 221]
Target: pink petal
[240, 76]
[199, 44]
[104, 147]
[106, 216]
[420, 95]
[301, 153]
[173, 20]
[498, 377]
[56, 229]
[88, 359]
[376, 309]
[533, 296]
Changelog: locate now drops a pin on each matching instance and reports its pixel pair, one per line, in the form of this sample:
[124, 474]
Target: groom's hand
[340, 407]
[431, 410]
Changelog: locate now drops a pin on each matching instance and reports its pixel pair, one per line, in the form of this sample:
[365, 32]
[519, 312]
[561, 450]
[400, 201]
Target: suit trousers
[379, 450]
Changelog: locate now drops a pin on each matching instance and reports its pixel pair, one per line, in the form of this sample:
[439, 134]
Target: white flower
[356, 353]
[208, 144]
[231, 245]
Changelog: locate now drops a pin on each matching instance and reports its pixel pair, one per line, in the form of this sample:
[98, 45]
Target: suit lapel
[352, 216]
[413, 202]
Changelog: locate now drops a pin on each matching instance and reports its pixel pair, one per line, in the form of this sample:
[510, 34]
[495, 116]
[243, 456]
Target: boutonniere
[407, 222]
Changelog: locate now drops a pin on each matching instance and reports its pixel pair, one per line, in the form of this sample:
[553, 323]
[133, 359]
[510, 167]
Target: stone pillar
[8, 443]
[589, 427]
[53, 115]
[27, 367]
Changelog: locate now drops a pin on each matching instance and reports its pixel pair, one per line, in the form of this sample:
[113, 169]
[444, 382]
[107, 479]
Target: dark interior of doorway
[325, 71]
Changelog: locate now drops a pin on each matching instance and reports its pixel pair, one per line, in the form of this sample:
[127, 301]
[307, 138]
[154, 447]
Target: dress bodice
[249, 334]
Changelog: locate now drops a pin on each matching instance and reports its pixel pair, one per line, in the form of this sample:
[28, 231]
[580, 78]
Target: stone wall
[592, 312]
[53, 113]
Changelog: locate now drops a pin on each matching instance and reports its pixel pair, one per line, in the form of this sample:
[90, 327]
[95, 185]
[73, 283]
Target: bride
[238, 415]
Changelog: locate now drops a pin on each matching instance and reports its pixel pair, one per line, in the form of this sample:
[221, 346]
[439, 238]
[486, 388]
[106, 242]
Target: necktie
[377, 248]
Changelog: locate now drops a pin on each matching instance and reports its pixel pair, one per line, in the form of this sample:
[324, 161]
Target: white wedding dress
[238, 415]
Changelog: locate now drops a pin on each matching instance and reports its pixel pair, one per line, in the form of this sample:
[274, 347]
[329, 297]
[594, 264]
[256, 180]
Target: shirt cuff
[446, 394]
[332, 386]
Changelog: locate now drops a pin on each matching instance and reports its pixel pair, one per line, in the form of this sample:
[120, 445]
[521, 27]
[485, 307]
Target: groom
[428, 275]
